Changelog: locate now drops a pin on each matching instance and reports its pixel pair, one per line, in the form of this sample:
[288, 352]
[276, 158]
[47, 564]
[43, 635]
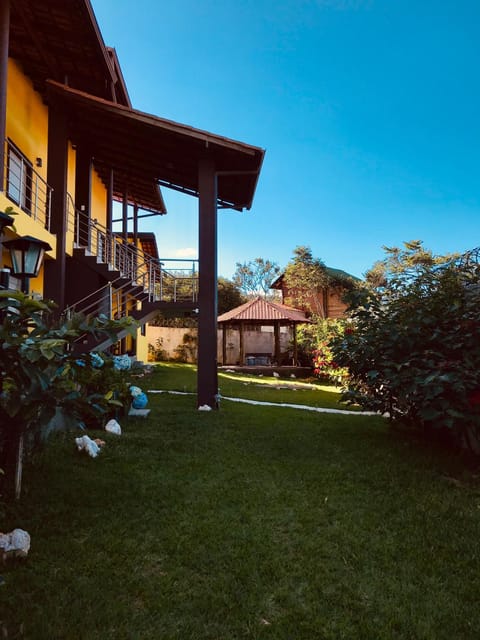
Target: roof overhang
[61, 39]
[145, 151]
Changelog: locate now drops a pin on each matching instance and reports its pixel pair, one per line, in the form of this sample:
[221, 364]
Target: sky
[368, 111]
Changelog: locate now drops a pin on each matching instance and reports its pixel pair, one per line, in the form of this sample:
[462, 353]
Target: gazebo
[258, 313]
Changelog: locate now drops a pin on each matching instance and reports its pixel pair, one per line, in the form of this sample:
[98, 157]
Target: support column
[241, 345]
[4, 39]
[295, 348]
[54, 287]
[207, 380]
[83, 194]
[135, 242]
[224, 343]
[125, 216]
[276, 333]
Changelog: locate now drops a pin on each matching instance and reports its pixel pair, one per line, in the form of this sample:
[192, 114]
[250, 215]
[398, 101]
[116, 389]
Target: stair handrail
[149, 274]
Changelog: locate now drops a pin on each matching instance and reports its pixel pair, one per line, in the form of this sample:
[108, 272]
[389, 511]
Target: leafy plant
[187, 351]
[415, 350]
[38, 377]
[156, 352]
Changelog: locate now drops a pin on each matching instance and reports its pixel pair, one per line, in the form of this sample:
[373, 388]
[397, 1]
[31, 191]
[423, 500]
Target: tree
[229, 295]
[413, 349]
[408, 262]
[307, 280]
[256, 276]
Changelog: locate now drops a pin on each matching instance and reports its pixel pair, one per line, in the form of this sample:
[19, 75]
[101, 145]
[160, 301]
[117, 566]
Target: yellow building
[72, 144]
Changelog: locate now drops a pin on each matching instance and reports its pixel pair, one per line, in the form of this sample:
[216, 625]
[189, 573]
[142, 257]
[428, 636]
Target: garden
[300, 509]
[248, 522]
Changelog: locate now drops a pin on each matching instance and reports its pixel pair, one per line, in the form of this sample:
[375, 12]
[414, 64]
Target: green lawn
[250, 522]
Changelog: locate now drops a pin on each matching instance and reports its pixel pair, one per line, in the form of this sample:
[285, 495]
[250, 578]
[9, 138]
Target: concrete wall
[254, 341]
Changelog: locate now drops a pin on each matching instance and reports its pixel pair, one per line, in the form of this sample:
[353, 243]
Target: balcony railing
[25, 187]
[160, 280]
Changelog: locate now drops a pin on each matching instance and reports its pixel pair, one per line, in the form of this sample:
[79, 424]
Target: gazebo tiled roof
[261, 310]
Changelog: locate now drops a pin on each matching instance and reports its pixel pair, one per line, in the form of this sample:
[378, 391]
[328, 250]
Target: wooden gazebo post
[276, 334]
[241, 345]
[295, 349]
[224, 344]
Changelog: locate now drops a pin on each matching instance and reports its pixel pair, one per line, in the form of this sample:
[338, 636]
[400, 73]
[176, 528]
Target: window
[19, 178]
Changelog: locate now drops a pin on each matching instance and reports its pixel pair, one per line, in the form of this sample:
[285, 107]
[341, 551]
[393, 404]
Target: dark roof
[335, 274]
[61, 40]
[145, 150]
[261, 310]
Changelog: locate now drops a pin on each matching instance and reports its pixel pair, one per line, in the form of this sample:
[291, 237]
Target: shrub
[415, 350]
[38, 375]
[156, 352]
[313, 345]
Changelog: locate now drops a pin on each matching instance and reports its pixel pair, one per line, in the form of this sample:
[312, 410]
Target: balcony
[25, 187]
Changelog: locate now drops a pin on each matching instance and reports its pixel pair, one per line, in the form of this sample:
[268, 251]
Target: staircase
[137, 284]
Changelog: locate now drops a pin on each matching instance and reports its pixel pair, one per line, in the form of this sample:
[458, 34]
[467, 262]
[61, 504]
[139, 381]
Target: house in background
[326, 301]
[71, 144]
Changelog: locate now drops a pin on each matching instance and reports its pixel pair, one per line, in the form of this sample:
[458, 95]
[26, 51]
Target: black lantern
[27, 256]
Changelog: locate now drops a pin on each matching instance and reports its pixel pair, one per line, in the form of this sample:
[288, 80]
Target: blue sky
[369, 112]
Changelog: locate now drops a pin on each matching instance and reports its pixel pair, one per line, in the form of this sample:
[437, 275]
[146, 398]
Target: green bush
[39, 376]
[414, 351]
[314, 350]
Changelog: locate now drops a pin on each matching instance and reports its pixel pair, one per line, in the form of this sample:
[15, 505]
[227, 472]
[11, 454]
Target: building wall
[27, 128]
[27, 117]
[254, 341]
[327, 303]
[99, 199]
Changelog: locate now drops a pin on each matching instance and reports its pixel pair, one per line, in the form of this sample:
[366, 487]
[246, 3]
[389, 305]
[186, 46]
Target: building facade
[71, 144]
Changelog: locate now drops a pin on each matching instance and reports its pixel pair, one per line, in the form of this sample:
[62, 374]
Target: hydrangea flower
[97, 360]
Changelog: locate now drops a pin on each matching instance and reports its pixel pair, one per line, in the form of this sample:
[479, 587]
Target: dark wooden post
[276, 333]
[207, 377]
[4, 39]
[83, 194]
[295, 349]
[135, 243]
[125, 216]
[54, 287]
[224, 343]
[241, 345]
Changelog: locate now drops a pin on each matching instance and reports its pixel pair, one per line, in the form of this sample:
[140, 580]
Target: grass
[251, 522]
[309, 392]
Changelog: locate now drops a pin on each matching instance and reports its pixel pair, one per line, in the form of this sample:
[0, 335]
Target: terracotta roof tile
[261, 310]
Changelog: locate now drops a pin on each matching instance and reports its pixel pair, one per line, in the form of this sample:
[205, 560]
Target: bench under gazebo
[260, 316]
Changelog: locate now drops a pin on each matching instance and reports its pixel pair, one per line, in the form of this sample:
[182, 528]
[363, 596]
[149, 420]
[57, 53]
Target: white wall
[253, 341]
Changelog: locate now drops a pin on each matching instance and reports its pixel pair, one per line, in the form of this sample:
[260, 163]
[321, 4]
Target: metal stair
[137, 284]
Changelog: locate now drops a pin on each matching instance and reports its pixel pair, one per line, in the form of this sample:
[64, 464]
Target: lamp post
[27, 255]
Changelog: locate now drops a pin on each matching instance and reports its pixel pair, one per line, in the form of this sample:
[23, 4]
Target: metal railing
[141, 276]
[25, 187]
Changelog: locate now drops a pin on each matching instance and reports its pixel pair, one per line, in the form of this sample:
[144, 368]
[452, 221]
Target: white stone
[84, 443]
[15, 543]
[112, 426]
